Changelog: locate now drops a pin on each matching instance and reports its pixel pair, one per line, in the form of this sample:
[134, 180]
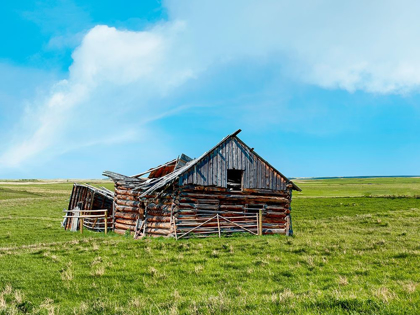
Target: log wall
[159, 218]
[180, 209]
[128, 207]
[194, 206]
[187, 208]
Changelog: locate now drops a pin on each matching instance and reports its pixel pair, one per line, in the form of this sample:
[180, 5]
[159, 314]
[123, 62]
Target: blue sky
[319, 88]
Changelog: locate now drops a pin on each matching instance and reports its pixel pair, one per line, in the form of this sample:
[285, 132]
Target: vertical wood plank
[76, 200]
[243, 163]
[210, 172]
[222, 164]
[257, 173]
[232, 145]
[274, 181]
[71, 197]
[262, 174]
[239, 148]
[215, 168]
[202, 172]
[235, 155]
[265, 183]
[238, 155]
[225, 164]
[243, 167]
[219, 168]
[267, 177]
[83, 199]
[251, 172]
[229, 154]
[218, 224]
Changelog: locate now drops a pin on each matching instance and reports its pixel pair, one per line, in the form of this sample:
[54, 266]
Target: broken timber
[90, 205]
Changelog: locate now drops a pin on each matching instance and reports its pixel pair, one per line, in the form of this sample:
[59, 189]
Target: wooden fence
[76, 219]
[218, 224]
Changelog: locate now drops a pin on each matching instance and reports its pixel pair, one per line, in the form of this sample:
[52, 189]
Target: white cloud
[119, 57]
[370, 46]
[353, 45]
[50, 121]
[111, 68]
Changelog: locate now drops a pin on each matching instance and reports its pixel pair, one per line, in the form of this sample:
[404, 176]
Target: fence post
[106, 222]
[260, 222]
[80, 206]
[218, 223]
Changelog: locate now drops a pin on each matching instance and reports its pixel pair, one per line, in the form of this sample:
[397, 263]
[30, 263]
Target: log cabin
[229, 189]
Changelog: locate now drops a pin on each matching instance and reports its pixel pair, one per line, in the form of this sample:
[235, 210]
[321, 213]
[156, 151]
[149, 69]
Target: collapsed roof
[165, 174]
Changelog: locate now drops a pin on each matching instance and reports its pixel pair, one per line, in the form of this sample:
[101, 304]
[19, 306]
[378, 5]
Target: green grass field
[355, 250]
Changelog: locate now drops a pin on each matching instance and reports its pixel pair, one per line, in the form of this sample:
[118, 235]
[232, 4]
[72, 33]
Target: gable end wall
[231, 154]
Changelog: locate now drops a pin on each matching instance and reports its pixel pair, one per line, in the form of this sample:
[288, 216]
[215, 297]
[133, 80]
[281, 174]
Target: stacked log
[199, 211]
[159, 216]
[128, 207]
[208, 216]
[214, 210]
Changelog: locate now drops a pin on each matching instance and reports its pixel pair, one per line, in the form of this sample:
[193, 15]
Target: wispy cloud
[351, 45]
[111, 68]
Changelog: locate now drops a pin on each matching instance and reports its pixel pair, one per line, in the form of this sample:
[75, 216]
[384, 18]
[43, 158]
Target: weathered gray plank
[219, 168]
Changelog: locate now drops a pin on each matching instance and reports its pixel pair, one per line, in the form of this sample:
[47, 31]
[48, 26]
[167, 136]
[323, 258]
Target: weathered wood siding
[195, 205]
[232, 154]
[90, 198]
[128, 209]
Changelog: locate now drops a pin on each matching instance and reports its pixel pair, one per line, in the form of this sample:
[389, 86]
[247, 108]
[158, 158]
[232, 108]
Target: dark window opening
[234, 180]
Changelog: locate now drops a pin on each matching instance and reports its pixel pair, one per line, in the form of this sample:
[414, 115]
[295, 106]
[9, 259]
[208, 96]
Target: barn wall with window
[234, 182]
[233, 154]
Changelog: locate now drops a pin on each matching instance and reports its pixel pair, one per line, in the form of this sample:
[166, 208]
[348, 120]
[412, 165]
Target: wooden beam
[236, 132]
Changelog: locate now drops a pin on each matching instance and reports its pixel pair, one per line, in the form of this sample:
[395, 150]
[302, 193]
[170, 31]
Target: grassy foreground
[356, 250]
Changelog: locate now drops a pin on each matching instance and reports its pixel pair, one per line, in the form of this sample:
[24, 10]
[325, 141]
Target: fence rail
[78, 219]
[219, 224]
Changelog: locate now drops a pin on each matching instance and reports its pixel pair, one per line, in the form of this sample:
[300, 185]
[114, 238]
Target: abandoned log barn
[229, 189]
